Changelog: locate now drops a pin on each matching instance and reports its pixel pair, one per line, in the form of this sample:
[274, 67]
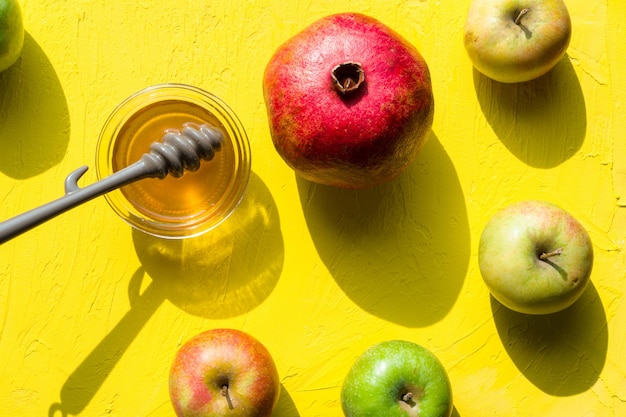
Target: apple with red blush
[223, 372]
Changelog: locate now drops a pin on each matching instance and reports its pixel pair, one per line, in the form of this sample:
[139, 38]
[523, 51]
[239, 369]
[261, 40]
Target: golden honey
[174, 207]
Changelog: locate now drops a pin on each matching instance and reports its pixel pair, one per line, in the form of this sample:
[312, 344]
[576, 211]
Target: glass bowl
[171, 207]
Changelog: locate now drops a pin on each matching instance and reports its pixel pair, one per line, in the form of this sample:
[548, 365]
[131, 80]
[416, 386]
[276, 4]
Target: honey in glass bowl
[174, 207]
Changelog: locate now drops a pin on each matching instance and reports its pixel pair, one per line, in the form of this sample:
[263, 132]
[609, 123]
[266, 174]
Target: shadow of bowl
[542, 122]
[562, 354]
[400, 250]
[227, 271]
[34, 116]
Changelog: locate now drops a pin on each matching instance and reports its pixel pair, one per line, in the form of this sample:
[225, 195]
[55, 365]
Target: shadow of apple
[563, 353]
[286, 407]
[227, 271]
[34, 116]
[399, 250]
[542, 122]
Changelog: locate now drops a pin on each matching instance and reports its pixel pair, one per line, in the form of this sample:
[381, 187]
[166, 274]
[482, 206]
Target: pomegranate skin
[353, 140]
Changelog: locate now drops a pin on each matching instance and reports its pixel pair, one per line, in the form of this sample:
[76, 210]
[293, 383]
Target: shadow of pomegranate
[400, 250]
[542, 122]
[563, 353]
[34, 116]
[227, 271]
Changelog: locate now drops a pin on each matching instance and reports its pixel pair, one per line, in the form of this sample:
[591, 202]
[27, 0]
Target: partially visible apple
[516, 40]
[397, 378]
[535, 257]
[349, 101]
[223, 372]
[11, 33]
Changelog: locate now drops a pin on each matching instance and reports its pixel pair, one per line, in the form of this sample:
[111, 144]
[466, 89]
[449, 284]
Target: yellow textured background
[91, 313]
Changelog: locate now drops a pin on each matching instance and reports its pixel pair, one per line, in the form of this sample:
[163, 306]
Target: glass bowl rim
[189, 226]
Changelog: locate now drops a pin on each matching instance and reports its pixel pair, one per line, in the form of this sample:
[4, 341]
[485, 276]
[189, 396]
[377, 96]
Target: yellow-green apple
[349, 101]
[535, 257]
[223, 372]
[396, 378]
[516, 40]
[11, 33]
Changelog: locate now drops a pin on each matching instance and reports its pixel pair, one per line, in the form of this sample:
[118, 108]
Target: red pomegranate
[349, 101]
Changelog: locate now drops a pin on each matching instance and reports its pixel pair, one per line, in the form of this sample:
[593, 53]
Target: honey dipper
[178, 151]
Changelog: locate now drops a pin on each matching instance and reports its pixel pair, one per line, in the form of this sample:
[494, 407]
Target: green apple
[396, 378]
[516, 40]
[11, 33]
[535, 257]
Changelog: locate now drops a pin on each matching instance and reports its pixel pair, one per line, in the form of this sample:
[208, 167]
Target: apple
[223, 372]
[535, 257]
[349, 101]
[11, 33]
[396, 378]
[516, 40]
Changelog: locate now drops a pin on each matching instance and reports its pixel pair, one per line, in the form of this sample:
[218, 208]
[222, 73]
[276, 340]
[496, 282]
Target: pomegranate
[349, 101]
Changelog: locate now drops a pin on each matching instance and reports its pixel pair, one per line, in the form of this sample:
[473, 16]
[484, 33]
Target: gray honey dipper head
[179, 151]
[183, 150]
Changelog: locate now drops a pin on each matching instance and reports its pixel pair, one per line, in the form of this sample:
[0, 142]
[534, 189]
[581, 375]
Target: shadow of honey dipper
[191, 274]
[83, 383]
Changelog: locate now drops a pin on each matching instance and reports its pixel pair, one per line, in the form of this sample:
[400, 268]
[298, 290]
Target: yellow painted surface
[91, 313]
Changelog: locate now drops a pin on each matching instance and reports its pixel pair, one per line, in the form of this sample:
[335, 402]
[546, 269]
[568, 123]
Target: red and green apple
[223, 372]
[535, 257]
[516, 40]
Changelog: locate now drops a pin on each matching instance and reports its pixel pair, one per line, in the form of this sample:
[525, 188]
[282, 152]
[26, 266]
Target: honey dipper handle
[178, 151]
[74, 196]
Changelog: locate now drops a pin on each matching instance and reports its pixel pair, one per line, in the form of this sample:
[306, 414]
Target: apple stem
[407, 397]
[347, 77]
[547, 255]
[520, 15]
[226, 394]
